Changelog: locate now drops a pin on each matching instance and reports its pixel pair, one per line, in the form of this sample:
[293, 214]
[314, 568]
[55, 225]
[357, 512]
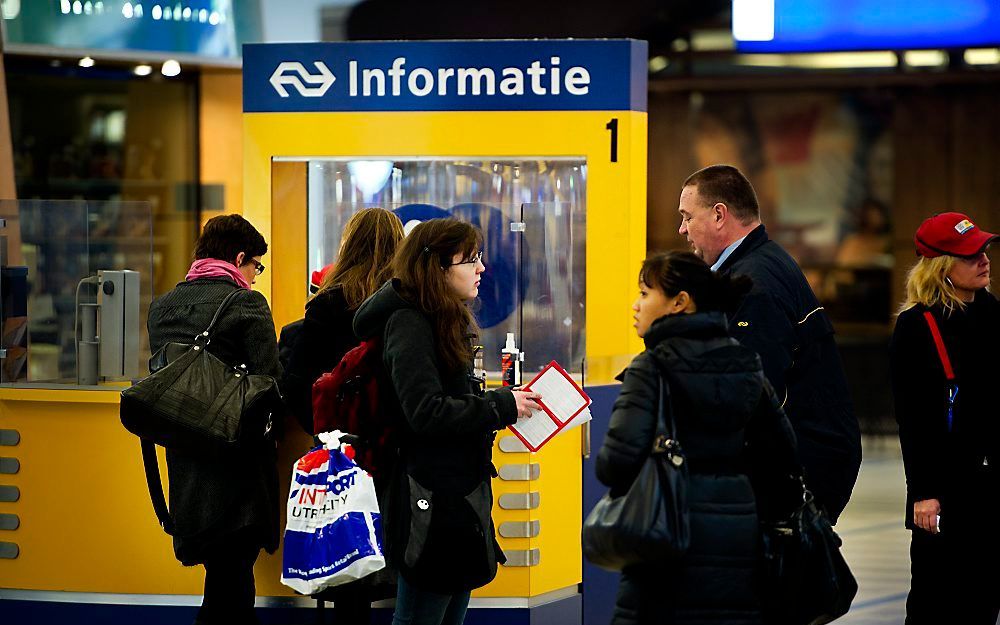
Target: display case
[532, 213]
[75, 278]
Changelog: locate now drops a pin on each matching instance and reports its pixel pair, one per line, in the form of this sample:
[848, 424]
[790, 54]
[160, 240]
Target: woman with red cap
[943, 360]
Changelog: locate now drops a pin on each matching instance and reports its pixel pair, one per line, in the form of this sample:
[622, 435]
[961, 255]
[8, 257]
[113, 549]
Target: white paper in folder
[564, 406]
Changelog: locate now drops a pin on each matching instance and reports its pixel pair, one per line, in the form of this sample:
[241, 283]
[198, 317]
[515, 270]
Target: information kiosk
[542, 144]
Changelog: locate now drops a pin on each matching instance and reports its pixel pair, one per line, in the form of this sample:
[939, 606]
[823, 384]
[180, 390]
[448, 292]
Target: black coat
[314, 348]
[782, 320]
[447, 423]
[214, 498]
[730, 426]
[957, 467]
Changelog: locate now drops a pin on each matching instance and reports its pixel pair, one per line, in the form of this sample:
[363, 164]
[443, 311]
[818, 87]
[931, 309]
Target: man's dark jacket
[213, 499]
[730, 426]
[447, 428]
[782, 320]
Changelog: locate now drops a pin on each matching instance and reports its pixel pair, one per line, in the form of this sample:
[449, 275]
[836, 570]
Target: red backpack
[347, 399]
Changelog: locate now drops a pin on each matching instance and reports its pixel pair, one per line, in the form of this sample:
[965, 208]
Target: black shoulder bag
[195, 403]
[650, 522]
[807, 580]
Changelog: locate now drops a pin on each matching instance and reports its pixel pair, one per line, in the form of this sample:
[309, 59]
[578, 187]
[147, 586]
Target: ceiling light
[925, 58]
[170, 68]
[711, 40]
[86, 62]
[829, 60]
[658, 63]
[142, 70]
[982, 56]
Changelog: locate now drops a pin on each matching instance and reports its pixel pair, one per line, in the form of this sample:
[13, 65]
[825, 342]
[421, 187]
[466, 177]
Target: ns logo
[294, 74]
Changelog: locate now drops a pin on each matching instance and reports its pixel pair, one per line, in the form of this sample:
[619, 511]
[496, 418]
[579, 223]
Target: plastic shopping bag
[333, 533]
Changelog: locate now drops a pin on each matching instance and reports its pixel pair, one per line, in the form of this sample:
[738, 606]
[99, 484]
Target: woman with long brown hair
[364, 263]
[367, 246]
[438, 530]
[943, 362]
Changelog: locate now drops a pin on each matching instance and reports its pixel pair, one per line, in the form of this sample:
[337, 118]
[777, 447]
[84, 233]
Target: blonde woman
[944, 381]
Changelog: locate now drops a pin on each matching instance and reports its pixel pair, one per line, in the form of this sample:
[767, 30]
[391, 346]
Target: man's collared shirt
[726, 252]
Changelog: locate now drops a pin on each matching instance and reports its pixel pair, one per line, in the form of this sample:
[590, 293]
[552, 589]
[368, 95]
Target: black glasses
[475, 258]
[259, 266]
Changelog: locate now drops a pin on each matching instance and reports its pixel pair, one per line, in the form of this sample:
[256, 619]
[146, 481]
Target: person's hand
[526, 402]
[925, 514]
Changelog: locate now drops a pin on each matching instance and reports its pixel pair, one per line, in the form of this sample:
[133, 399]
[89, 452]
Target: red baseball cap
[951, 234]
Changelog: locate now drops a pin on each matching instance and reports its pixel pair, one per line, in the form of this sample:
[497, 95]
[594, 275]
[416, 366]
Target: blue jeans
[420, 607]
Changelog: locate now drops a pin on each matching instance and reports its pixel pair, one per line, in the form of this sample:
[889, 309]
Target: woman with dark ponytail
[731, 428]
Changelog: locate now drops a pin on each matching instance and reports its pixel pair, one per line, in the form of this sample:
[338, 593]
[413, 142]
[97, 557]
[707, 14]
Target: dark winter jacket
[448, 425]
[729, 424]
[213, 498]
[956, 467]
[325, 335]
[782, 321]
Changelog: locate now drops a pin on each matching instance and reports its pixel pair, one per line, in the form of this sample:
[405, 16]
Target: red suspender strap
[939, 343]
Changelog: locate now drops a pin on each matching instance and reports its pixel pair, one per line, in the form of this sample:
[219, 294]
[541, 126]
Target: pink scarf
[215, 268]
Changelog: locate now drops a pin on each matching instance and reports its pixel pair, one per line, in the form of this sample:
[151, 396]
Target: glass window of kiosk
[532, 213]
[75, 288]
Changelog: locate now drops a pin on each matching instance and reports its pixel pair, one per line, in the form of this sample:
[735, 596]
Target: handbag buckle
[662, 444]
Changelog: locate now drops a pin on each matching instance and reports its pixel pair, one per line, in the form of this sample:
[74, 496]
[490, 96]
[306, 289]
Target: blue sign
[535, 75]
[832, 25]
[206, 28]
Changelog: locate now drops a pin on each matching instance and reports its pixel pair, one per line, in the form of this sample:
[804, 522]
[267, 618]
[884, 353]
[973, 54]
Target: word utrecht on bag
[196, 403]
[333, 532]
[650, 522]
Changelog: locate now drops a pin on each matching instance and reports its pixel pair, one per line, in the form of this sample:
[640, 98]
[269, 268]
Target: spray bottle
[510, 363]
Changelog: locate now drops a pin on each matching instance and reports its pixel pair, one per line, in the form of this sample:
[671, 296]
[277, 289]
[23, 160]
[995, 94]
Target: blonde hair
[927, 284]
[365, 260]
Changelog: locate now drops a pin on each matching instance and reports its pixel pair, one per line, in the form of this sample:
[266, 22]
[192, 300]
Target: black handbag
[195, 403]
[807, 580]
[650, 522]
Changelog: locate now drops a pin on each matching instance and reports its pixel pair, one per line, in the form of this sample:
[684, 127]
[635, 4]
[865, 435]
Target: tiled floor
[875, 543]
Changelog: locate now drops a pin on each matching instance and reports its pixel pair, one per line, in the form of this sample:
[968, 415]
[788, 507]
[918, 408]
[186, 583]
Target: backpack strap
[154, 485]
[942, 351]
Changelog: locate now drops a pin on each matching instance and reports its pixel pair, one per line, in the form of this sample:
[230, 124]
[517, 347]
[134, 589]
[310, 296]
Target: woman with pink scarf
[225, 509]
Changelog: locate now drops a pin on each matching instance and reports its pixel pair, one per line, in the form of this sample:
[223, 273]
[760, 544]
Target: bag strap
[154, 485]
[942, 351]
[666, 424]
[207, 333]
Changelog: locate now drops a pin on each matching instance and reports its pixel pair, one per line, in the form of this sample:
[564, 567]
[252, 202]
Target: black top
[782, 320]
[325, 335]
[214, 498]
[448, 422]
[949, 466]
[741, 456]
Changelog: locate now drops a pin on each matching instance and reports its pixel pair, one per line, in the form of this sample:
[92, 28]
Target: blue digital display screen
[208, 28]
[833, 25]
